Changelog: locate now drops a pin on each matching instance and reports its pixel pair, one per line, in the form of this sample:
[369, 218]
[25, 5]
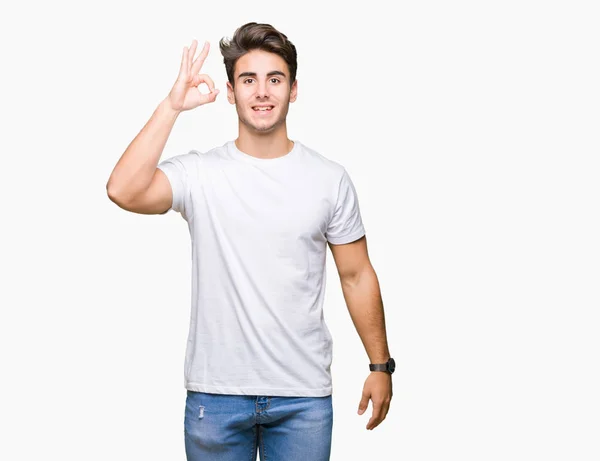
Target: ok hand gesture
[185, 94]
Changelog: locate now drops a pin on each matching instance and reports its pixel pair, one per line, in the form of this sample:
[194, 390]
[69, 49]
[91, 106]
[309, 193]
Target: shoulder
[183, 162]
[195, 160]
[214, 155]
[331, 169]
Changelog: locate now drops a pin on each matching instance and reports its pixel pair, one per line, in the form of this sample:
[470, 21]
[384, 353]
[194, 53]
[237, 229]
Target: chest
[273, 206]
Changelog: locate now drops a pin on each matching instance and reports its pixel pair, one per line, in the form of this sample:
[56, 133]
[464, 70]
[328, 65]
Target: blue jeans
[225, 427]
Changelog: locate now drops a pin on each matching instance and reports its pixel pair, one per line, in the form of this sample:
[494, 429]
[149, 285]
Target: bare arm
[363, 297]
[136, 167]
[135, 183]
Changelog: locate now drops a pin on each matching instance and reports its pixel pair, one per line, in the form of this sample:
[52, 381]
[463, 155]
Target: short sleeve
[346, 223]
[179, 170]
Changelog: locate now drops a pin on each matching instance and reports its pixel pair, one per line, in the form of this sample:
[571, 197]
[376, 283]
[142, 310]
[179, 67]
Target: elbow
[115, 196]
[111, 192]
[352, 278]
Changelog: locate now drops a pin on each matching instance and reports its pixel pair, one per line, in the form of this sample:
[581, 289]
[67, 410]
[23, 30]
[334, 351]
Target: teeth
[262, 108]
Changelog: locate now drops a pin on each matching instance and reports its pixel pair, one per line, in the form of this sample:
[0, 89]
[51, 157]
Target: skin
[362, 294]
[260, 135]
[265, 136]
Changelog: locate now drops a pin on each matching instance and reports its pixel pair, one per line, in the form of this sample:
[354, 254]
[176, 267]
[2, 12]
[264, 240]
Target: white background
[470, 130]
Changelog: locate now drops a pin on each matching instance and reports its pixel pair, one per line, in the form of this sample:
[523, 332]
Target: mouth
[263, 109]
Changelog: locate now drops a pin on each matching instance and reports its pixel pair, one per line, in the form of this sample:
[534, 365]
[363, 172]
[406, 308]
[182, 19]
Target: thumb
[209, 97]
[212, 96]
[364, 403]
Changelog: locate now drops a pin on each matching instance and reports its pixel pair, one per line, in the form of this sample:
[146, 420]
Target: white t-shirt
[259, 230]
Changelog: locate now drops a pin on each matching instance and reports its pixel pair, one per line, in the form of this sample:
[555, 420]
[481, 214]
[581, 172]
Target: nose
[262, 90]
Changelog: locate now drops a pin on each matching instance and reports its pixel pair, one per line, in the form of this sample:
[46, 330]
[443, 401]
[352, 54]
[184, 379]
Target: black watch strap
[388, 366]
[378, 366]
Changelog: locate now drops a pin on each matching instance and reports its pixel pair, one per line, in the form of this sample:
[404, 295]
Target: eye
[273, 78]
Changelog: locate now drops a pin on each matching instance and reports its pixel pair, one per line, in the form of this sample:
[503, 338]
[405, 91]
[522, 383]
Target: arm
[135, 182]
[135, 169]
[362, 294]
[363, 297]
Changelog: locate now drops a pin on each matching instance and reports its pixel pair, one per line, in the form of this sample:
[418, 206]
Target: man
[261, 211]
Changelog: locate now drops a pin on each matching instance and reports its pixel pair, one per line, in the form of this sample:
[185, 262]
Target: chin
[262, 127]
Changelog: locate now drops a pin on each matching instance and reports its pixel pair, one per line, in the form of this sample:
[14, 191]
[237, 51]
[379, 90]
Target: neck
[264, 145]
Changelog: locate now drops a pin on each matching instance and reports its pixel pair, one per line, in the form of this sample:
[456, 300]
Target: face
[261, 78]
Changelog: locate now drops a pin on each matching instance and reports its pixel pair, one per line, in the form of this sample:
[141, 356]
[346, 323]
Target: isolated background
[470, 130]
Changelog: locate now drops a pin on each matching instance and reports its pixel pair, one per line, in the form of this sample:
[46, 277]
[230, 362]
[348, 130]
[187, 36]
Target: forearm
[363, 298]
[136, 167]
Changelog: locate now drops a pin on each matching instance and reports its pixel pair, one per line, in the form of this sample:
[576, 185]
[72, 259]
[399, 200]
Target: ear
[230, 93]
[294, 91]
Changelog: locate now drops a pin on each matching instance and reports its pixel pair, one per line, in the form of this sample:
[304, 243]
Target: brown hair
[254, 36]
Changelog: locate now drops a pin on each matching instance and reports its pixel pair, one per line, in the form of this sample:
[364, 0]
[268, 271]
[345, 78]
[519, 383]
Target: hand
[185, 94]
[378, 387]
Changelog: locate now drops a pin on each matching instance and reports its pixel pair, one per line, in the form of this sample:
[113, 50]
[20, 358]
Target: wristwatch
[388, 366]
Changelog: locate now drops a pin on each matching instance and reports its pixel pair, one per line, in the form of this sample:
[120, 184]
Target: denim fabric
[226, 427]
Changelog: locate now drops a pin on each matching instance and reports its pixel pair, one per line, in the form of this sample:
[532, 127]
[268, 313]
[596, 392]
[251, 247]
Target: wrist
[166, 107]
[388, 366]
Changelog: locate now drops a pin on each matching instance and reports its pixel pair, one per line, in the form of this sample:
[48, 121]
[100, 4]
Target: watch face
[392, 365]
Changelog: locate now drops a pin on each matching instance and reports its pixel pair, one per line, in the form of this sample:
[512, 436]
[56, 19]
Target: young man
[261, 211]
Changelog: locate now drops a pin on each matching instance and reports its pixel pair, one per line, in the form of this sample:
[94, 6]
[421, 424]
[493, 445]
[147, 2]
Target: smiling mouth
[263, 109]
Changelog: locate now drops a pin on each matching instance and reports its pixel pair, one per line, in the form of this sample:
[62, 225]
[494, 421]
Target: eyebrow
[253, 74]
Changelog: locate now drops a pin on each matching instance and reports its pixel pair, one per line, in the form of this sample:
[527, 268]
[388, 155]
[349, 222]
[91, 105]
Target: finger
[374, 422]
[209, 97]
[364, 403]
[384, 410]
[184, 66]
[376, 416]
[203, 78]
[192, 52]
[197, 64]
[377, 420]
[387, 405]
